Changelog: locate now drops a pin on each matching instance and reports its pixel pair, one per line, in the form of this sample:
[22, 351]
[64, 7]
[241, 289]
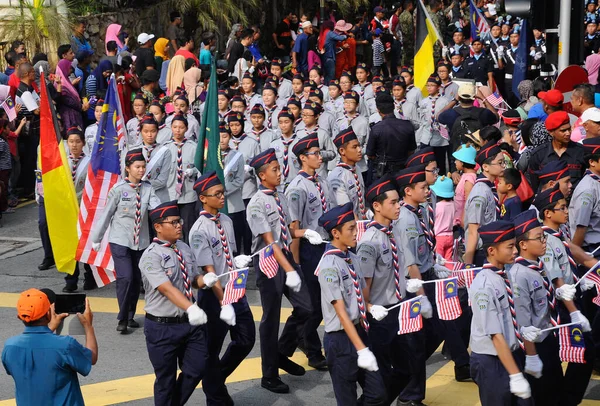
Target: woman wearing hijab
[112, 34]
[193, 88]
[98, 80]
[52, 91]
[69, 106]
[161, 52]
[175, 73]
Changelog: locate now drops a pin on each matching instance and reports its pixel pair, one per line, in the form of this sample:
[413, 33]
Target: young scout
[404, 109]
[345, 180]
[309, 198]
[269, 220]
[335, 104]
[212, 241]
[272, 109]
[183, 173]
[359, 124]
[261, 134]
[327, 121]
[181, 104]
[285, 90]
[381, 261]
[310, 115]
[343, 290]
[173, 331]
[429, 132]
[555, 173]
[413, 93]
[250, 96]
[482, 206]
[283, 145]
[164, 132]
[496, 355]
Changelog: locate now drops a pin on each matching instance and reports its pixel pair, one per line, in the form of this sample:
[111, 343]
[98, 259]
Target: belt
[534, 67]
[508, 76]
[168, 320]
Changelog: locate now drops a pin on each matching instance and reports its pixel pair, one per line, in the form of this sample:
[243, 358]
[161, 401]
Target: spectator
[174, 32]
[82, 69]
[329, 45]
[208, 42]
[30, 139]
[18, 47]
[186, 48]
[70, 107]
[65, 51]
[582, 99]
[240, 51]
[175, 74]
[78, 40]
[144, 54]
[161, 52]
[234, 37]
[43, 365]
[113, 33]
[98, 80]
[282, 37]
[10, 57]
[300, 51]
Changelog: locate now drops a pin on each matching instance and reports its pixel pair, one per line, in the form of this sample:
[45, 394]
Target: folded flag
[446, 299]
[267, 262]
[572, 344]
[409, 317]
[235, 289]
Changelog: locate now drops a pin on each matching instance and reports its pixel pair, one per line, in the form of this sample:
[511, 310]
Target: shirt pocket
[127, 203]
[273, 218]
[169, 265]
[539, 299]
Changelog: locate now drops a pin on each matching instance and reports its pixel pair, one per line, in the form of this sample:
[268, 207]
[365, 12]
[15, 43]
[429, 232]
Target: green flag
[208, 154]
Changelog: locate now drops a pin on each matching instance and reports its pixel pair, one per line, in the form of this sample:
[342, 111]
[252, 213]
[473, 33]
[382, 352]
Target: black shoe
[46, 264]
[410, 403]
[290, 366]
[133, 324]
[320, 364]
[122, 327]
[463, 373]
[89, 284]
[274, 385]
[69, 289]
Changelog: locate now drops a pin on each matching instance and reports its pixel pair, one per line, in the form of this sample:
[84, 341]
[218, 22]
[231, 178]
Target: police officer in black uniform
[509, 58]
[537, 53]
[591, 40]
[491, 45]
[480, 66]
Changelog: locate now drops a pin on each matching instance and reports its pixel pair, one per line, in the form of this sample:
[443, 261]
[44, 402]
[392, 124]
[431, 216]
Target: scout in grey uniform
[283, 148]
[269, 219]
[326, 120]
[585, 203]
[358, 123]
[246, 89]
[496, 357]
[272, 109]
[536, 305]
[181, 105]
[140, 106]
[309, 198]
[482, 206]
[344, 311]
[92, 129]
[126, 213]
[310, 114]
[413, 94]
[404, 109]
[335, 104]
[183, 173]
[238, 105]
[173, 321]
[345, 180]
[448, 88]
[158, 159]
[315, 75]
[285, 90]
[212, 241]
[559, 261]
[381, 262]
[164, 132]
[249, 148]
[430, 132]
[261, 134]
[363, 87]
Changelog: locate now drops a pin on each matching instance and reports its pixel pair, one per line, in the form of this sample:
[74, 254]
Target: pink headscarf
[592, 65]
[63, 69]
[112, 33]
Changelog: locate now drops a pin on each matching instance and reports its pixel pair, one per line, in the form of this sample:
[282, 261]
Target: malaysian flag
[103, 172]
[9, 107]
[594, 276]
[446, 299]
[409, 317]
[235, 289]
[572, 344]
[497, 101]
[361, 228]
[479, 25]
[267, 262]
[470, 275]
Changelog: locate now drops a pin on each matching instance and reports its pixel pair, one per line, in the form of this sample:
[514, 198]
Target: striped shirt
[378, 50]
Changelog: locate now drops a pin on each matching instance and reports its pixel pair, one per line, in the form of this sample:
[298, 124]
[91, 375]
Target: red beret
[557, 119]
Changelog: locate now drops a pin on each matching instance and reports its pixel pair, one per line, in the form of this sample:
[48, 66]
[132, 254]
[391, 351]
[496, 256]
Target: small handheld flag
[9, 107]
[594, 275]
[409, 317]
[446, 299]
[361, 227]
[572, 344]
[267, 261]
[235, 289]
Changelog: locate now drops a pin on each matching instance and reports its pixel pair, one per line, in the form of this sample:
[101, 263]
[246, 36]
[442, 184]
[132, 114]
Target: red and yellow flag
[60, 200]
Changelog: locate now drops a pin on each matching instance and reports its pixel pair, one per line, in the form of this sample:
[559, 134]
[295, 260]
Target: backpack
[466, 122]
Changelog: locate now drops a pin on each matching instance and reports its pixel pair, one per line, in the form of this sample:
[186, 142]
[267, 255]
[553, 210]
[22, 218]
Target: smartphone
[71, 304]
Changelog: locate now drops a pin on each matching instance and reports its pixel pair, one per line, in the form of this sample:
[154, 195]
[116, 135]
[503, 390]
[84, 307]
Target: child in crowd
[444, 216]
[508, 184]
[465, 164]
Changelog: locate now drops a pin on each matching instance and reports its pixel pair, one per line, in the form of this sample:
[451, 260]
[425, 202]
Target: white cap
[466, 91]
[143, 38]
[591, 114]
[306, 24]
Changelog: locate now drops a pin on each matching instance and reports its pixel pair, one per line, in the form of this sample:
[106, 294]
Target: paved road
[124, 375]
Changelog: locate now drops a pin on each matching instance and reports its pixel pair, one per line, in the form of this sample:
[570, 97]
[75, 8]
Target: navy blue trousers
[43, 228]
[310, 255]
[169, 345]
[128, 279]
[552, 376]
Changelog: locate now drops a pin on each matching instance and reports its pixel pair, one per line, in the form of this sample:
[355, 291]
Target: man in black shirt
[480, 67]
[240, 50]
[392, 140]
[283, 38]
[144, 54]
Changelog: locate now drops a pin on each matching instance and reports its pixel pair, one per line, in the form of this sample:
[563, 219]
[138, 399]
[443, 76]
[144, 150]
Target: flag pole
[588, 272]
[428, 17]
[399, 304]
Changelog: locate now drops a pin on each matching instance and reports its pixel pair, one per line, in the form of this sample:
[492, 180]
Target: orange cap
[33, 304]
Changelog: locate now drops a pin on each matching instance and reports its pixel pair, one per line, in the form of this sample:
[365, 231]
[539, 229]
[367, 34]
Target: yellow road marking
[25, 203]
[142, 387]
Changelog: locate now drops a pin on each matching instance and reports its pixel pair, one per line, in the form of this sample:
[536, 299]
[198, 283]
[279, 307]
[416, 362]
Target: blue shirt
[537, 111]
[205, 57]
[511, 207]
[330, 40]
[255, 51]
[301, 50]
[44, 367]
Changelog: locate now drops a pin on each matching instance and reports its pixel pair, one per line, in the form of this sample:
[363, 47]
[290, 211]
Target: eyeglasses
[316, 153]
[218, 195]
[563, 209]
[502, 163]
[174, 223]
[542, 238]
[435, 171]
[307, 115]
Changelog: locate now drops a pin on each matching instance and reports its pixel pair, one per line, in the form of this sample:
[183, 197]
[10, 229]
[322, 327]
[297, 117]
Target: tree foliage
[209, 13]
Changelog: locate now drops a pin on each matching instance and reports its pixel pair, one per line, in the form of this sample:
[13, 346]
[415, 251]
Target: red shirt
[187, 54]
[12, 142]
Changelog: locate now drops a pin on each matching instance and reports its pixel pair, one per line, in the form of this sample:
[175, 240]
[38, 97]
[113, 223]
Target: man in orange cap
[559, 148]
[35, 355]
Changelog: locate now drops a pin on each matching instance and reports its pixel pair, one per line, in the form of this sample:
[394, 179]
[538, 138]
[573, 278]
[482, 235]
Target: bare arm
[505, 355]
[471, 243]
[579, 236]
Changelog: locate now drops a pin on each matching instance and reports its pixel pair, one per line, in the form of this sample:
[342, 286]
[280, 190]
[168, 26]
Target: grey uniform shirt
[188, 154]
[272, 117]
[159, 265]
[119, 213]
[158, 167]
[335, 106]
[449, 90]
[406, 110]
[375, 256]
[233, 173]
[285, 90]
[414, 95]
[249, 148]
[328, 150]
[366, 92]
[491, 313]
[80, 174]
[556, 260]
[264, 137]
[280, 147]
[411, 237]
[133, 131]
[360, 126]
[480, 207]
[531, 303]
[428, 133]
[345, 189]
[326, 122]
[305, 203]
[584, 210]
[207, 246]
[263, 216]
[164, 134]
[337, 284]
[193, 130]
[90, 138]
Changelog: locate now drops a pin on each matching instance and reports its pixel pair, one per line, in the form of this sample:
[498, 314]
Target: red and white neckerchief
[282, 223]
[149, 149]
[187, 283]
[429, 234]
[286, 154]
[315, 130]
[359, 191]
[237, 141]
[248, 100]
[363, 88]
[160, 127]
[179, 146]
[551, 297]
[298, 121]
[444, 87]
[350, 119]
[258, 133]
[75, 163]
[400, 105]
[559, 234]
[492, 186]
[394, 248]
[226, 252]
[592, 175]
[409, 88]
[223, 116]
[315, 179]
[434, 124]
[270, 111]
[138, 210]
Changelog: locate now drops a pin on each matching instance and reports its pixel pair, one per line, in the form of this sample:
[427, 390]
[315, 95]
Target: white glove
[370, 214]
[196, 315]
[413, 285]
[313, 237]
[96, 246]
[210, 278]
[293, 281]
[586, 284]
[519, 386]
[191, 172]
[444, 52]
[533, 366]
[228, 314]
[566, 292]
[531, 333]
[242, 261]
[378, 312]
[247, 168]
[441, 271]
[426, 309]
[440, 260]
[366, 360]
[538, 56]
[577, 317]
[500, 51]
[532, 53]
